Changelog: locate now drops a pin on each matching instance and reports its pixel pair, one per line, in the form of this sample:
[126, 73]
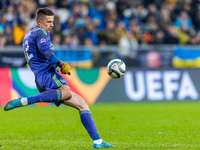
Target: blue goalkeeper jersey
[35, 43]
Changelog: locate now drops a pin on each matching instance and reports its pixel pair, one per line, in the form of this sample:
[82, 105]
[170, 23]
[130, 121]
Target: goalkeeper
[51, 85]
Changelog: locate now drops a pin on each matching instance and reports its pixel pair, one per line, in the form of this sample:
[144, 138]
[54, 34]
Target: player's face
[47, 23]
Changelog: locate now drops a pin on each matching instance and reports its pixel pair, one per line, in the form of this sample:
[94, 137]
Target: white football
[116, 68]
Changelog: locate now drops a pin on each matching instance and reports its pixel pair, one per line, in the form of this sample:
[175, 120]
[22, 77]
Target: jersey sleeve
[43, 40]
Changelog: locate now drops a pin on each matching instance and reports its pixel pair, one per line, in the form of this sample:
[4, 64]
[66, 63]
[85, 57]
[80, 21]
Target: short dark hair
[42, 12]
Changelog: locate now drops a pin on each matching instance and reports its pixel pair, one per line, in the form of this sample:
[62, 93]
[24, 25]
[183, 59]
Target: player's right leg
[79, 103]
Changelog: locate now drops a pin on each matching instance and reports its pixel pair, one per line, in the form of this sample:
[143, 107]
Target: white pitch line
[49, 141]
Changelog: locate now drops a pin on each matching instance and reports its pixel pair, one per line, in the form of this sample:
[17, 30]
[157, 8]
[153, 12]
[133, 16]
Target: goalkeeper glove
[65, 68]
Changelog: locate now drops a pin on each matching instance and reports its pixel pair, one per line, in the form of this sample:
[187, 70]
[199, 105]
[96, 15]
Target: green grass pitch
[142, 126]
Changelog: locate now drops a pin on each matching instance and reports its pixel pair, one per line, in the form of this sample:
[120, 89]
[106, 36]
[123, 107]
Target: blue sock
[47, 96]
[88, 122]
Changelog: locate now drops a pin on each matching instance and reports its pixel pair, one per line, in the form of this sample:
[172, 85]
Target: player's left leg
[47, 96]
[86, 118]
[48, 92]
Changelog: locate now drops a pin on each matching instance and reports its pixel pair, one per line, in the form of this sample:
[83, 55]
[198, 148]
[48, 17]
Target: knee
[66, 96]
[83, 105]
[66, 93]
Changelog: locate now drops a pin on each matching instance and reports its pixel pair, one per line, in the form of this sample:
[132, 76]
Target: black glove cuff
[59, 64]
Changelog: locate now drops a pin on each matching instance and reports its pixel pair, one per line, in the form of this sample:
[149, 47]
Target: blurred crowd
[105, 22]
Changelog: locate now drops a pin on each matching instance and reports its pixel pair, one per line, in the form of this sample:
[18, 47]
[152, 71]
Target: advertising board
[95, 85]
[153, 85]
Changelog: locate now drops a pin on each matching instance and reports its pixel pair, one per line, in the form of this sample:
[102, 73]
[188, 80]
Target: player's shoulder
[39, 32]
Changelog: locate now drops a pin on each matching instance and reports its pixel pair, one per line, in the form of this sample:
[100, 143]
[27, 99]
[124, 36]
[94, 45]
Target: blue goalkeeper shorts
[49, 81]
